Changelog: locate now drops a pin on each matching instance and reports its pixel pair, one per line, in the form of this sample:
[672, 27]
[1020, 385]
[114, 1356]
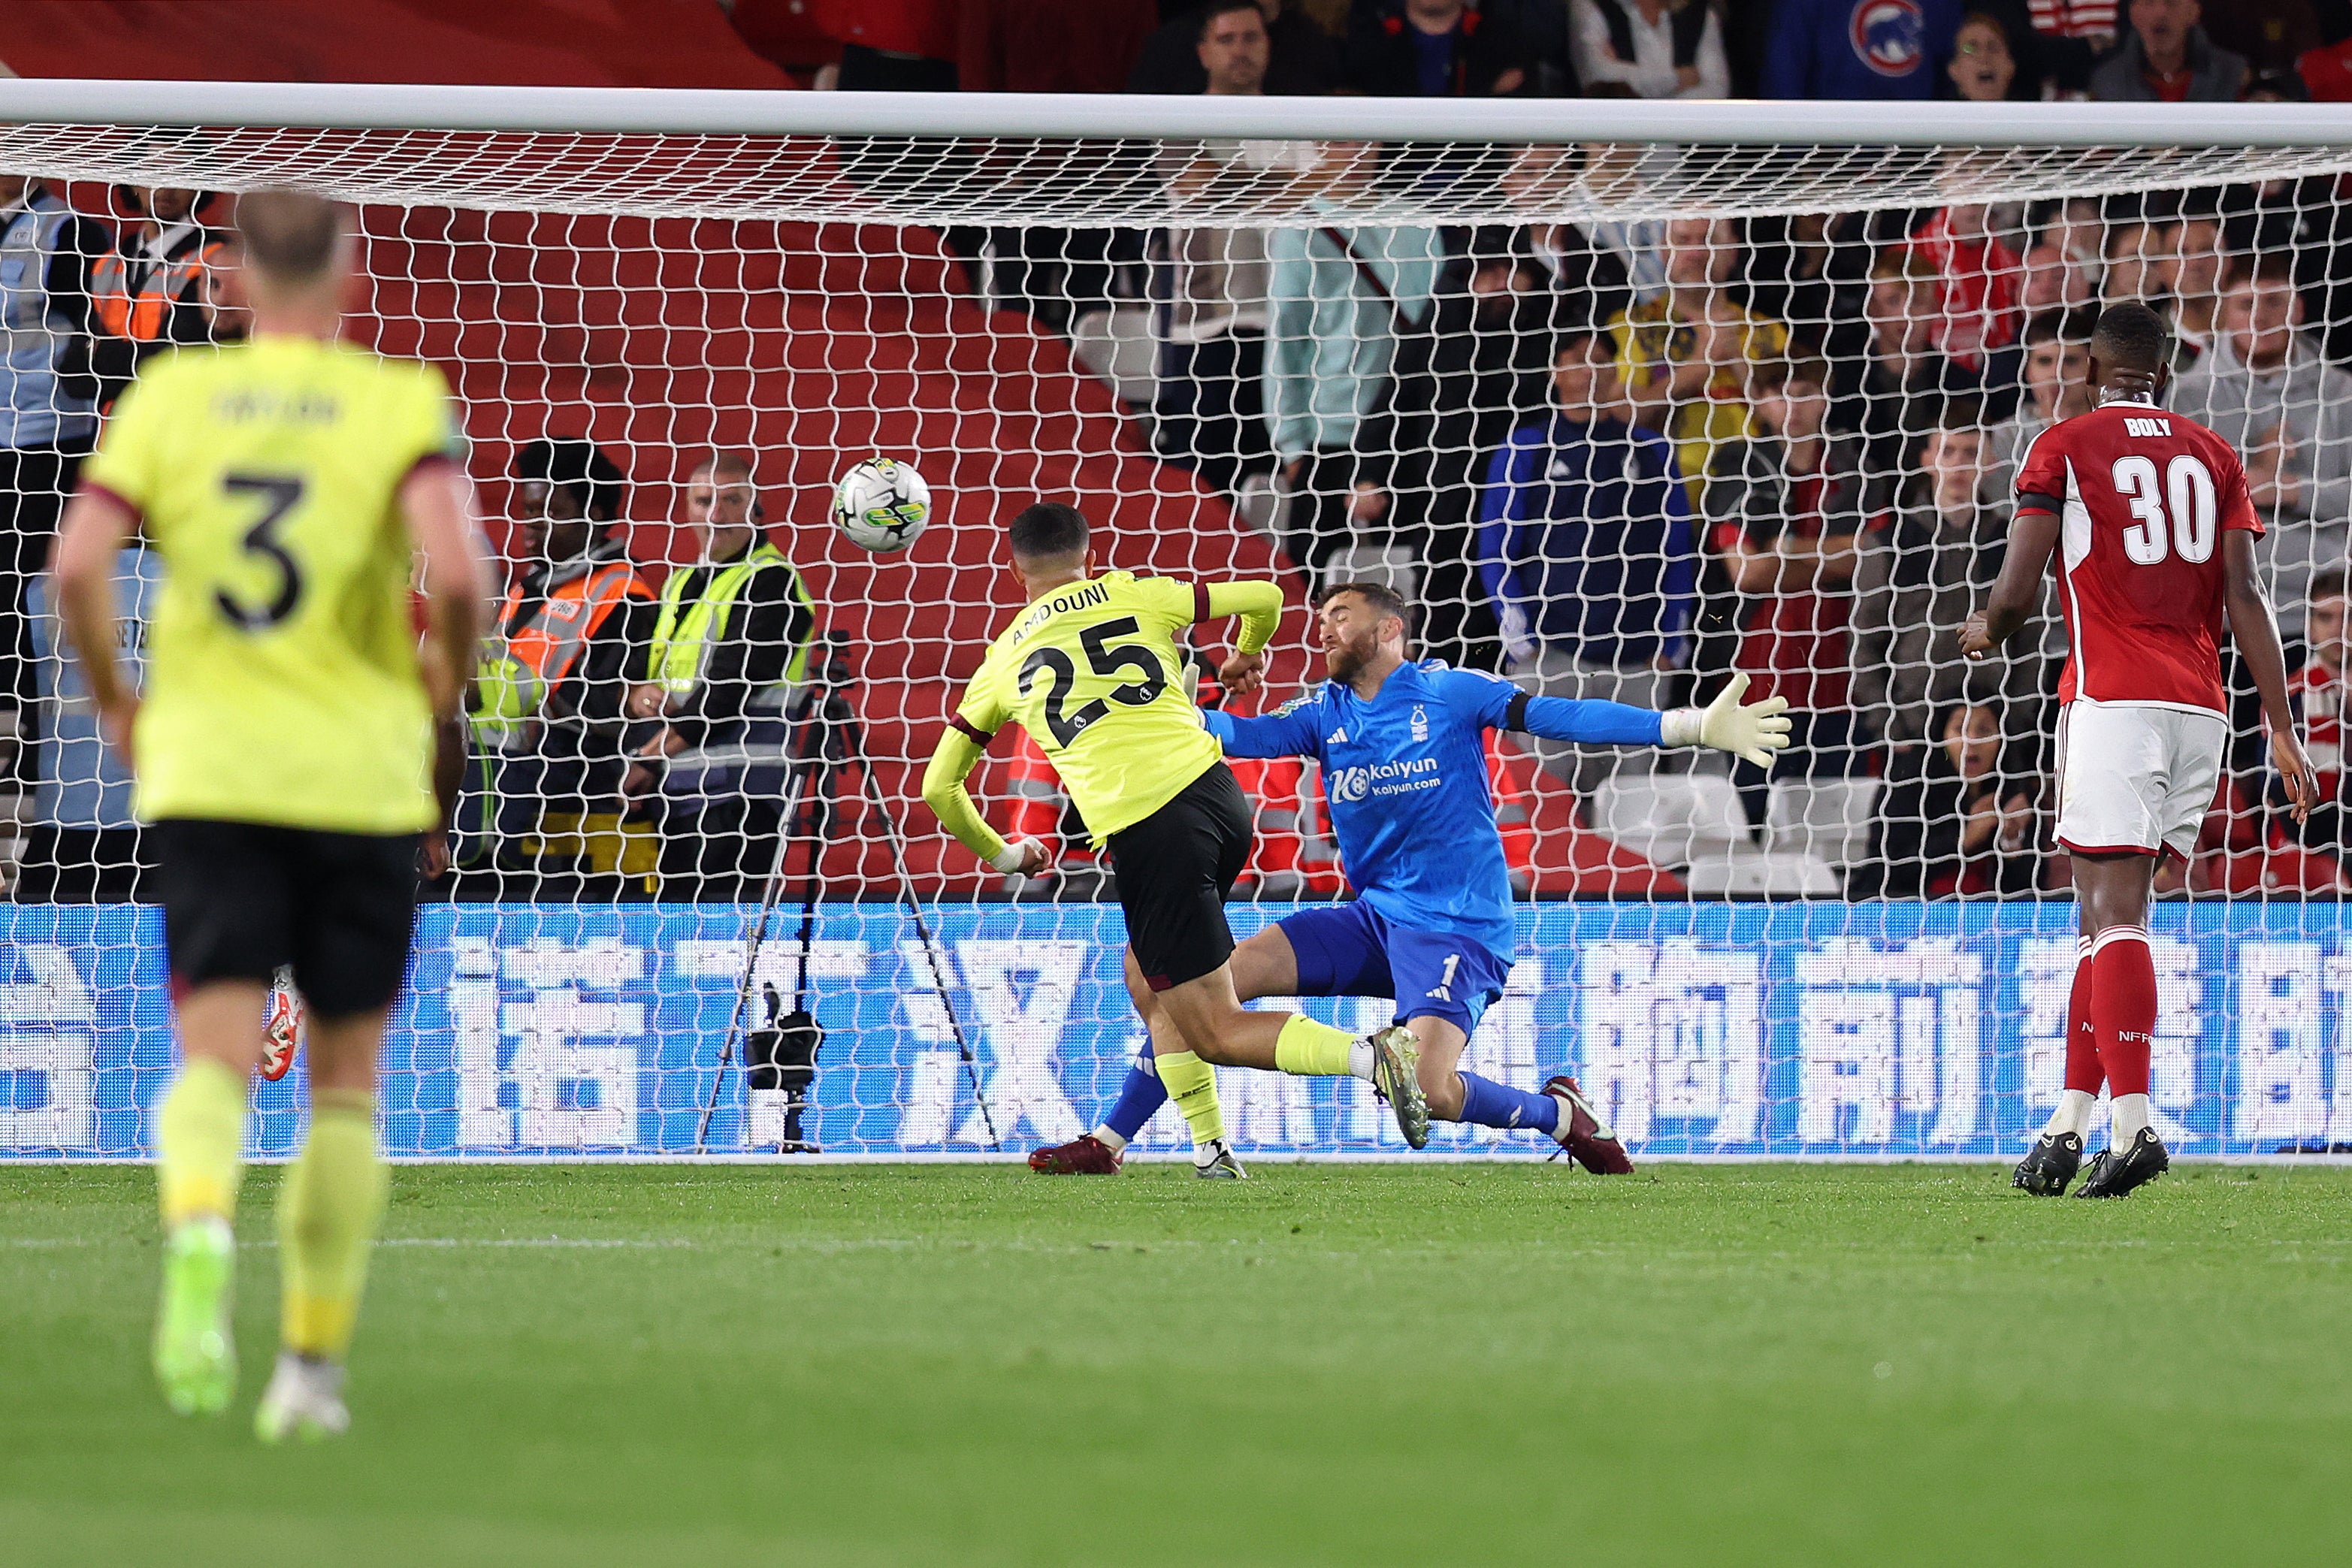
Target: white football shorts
[2136, 778]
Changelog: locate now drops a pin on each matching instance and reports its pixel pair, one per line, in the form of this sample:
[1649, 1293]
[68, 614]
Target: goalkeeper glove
[1754, 732]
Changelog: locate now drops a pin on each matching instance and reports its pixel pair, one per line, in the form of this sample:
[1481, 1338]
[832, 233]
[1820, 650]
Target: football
[882, 505]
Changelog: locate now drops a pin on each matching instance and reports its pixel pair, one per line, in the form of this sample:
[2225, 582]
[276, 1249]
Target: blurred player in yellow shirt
[295, 488]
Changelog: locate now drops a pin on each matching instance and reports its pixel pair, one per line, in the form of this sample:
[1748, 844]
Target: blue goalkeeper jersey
[1406, 777]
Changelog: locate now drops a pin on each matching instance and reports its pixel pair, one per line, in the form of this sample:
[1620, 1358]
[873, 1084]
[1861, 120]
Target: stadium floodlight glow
[1031, 296]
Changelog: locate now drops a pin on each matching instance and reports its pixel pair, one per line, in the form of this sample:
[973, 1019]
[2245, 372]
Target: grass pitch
[1433, 1363]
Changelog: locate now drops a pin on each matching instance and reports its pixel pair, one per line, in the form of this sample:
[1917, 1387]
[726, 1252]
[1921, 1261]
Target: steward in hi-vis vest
[148, 292]
[718, 687]
[543, 779]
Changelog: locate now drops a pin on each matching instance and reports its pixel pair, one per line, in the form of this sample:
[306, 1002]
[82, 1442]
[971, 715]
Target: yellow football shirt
[1092, 671]
[282, 684]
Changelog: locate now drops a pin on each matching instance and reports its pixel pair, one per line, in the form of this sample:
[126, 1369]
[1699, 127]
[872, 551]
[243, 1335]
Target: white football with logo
[882, 505]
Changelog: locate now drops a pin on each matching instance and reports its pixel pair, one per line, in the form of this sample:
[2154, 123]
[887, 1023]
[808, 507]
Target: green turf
[1439, 1363]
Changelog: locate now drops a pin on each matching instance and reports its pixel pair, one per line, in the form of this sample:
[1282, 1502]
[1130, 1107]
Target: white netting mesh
[1242, 357]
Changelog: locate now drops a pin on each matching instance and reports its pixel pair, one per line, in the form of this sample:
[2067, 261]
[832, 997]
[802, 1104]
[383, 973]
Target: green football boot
[1396, 1078]
[195, 1353]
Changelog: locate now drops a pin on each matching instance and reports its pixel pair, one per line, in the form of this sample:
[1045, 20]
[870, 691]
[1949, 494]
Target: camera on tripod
[779, 1060]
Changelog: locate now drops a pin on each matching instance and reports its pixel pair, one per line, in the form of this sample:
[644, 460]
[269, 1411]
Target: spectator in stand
[1585, 547]
[1344, 295]
[2057, 41]
[2316, 693]
[2056, 386]
[2166, 58]
[2091, 21]
[1209, 411]
[49, 410]
[543, 783]
[1949, 821]
[148, 292]
[1599, 266]
[1919, 577]
[2197, 266]
[722, 673]
[1784, 508]
[1858, 49]
[1586, 267]
[1892, 395]
[1433, 49]
[1302, 60]
[2050, 279]
[1984, 67]
[2268, 392]
[1487, 376]
[1686, 354]
[1977, 285]
[2139, 265]
[1789, 276]
[1660, 48]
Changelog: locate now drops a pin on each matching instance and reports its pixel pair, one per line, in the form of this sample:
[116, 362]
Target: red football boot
[1584, 1134]
[283, 1032]
[1085, 1155]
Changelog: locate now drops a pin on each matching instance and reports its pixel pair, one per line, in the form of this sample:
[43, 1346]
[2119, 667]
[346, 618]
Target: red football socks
[2122, 1007]
[2082, 1069]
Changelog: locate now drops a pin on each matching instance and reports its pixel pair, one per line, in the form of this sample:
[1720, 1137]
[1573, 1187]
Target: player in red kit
[2155, 530]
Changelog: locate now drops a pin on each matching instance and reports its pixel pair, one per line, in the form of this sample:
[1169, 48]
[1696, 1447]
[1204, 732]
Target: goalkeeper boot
[1584, 1134]
[2118, 1176]
[2051, 1165]
[195, 1352]
[1396, 1078]
[304, 1400]
[1084, 1156]
[1215, 1162]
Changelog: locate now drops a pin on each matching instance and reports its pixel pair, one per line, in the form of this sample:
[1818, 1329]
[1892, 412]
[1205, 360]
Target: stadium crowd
[1621, 459]
[1628, 458]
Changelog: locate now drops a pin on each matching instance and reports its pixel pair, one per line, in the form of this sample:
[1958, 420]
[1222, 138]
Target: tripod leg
[854, 746]
[793, 795]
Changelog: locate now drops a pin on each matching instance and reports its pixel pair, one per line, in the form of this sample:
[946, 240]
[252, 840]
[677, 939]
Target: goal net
[1626, 403]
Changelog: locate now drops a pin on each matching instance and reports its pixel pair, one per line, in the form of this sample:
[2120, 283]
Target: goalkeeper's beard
[1347, 660]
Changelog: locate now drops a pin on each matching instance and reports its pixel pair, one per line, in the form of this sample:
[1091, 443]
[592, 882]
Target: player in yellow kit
[293, 486]
[1091, 670]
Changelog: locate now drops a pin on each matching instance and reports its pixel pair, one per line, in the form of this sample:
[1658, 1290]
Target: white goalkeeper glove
[1754, 732]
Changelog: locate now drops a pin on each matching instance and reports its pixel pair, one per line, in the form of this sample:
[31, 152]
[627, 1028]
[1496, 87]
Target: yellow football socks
[1312, 1049]
[1192, 1084]
[327, 1216]
[199, 1139]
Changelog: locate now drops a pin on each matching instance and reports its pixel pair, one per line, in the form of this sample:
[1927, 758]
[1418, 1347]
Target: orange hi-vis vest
[533, 653]
[132, 296]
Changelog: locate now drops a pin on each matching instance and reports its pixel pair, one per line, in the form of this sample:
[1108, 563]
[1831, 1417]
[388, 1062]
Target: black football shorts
[240, 899]
[1174, 869]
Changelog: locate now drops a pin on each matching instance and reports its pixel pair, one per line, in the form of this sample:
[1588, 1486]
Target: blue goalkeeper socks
[1492, 1105]
[1139, 1098]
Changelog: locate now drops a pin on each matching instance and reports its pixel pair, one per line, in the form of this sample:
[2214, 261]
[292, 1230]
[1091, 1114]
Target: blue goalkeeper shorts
[1352, 950]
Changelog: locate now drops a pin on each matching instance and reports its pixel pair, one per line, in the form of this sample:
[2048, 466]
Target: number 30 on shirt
[2190, 528]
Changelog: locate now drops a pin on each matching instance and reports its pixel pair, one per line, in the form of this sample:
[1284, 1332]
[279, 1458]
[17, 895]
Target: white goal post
[1328, 339]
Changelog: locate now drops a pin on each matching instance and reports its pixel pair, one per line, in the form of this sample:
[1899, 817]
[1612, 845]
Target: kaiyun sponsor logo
[1355, 783]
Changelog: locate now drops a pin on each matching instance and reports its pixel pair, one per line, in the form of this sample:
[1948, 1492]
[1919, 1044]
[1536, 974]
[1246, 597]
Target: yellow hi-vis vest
[682, 632]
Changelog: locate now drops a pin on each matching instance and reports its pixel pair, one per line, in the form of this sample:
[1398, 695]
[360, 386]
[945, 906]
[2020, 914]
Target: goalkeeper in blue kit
[1403, 748]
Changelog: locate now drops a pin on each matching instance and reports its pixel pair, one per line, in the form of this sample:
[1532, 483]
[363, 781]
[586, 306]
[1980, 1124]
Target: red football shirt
[2143, 498]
